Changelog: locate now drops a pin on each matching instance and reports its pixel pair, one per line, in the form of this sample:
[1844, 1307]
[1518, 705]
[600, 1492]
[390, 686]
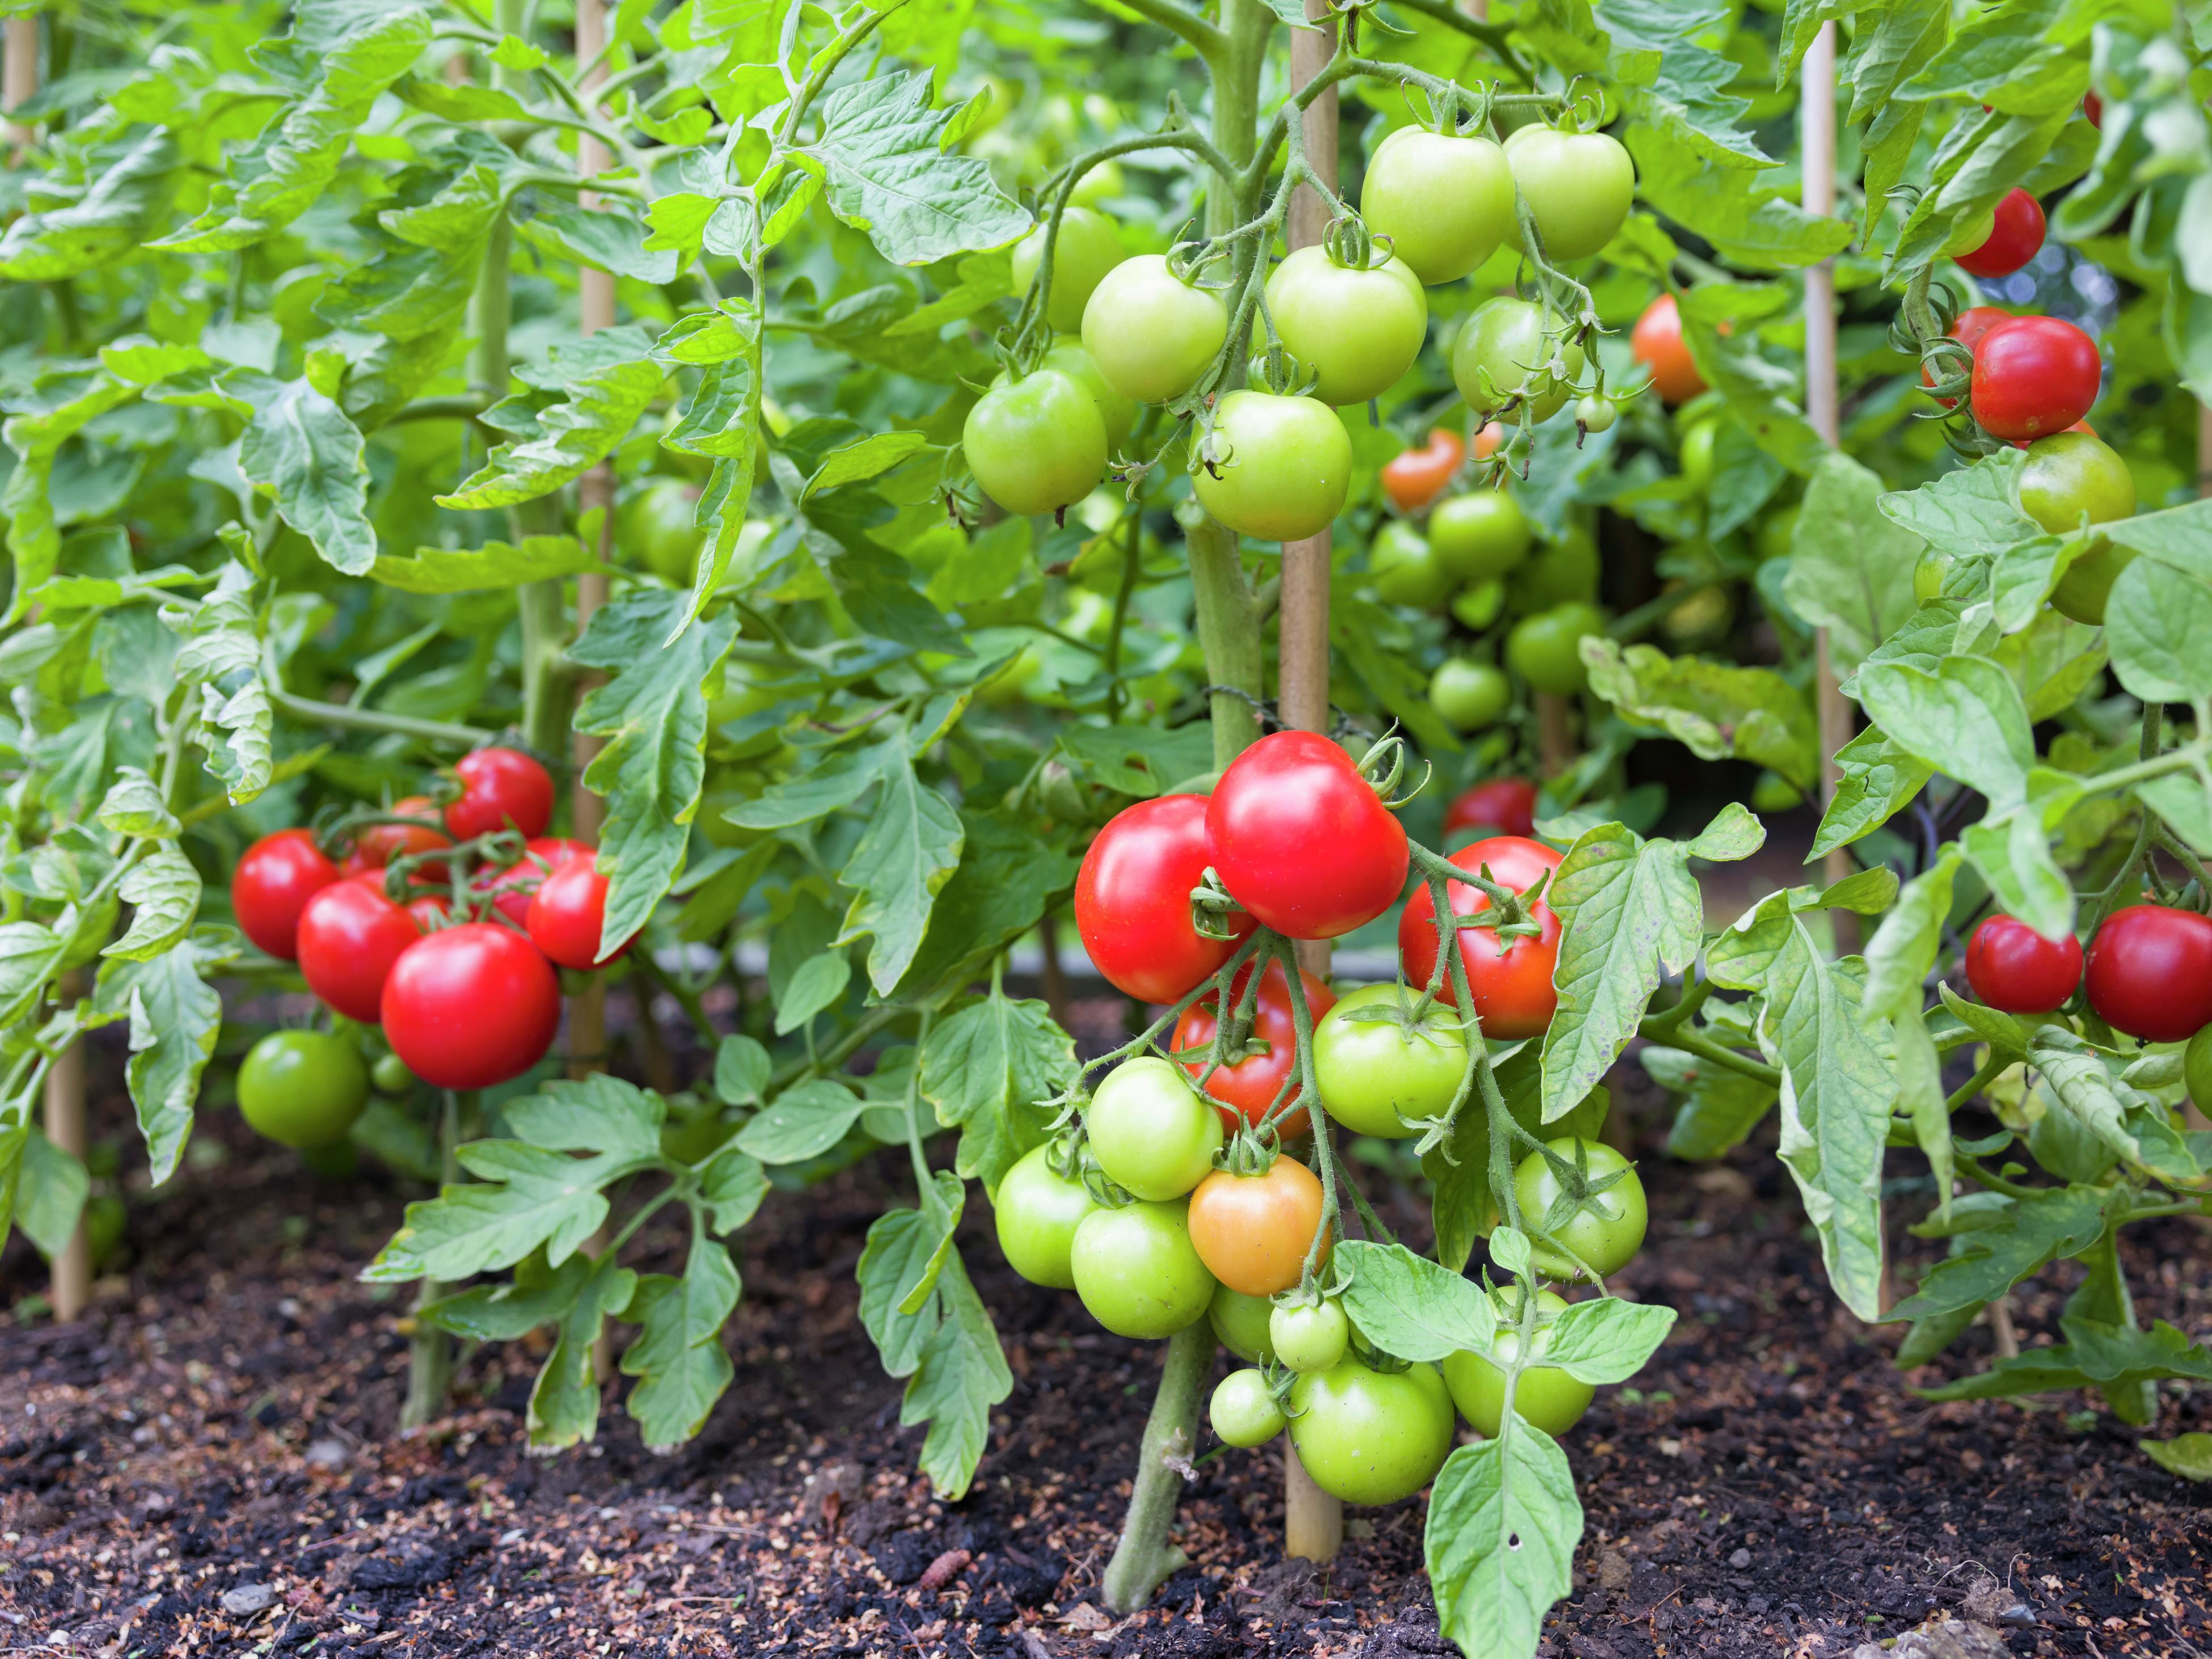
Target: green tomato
[1152, 334]
[302, 1088]
[2069, 477]
[1544, 1395]
[1116, 413]
[1778, 532]
[1037, 1210]
[1445, 203]
[1376, 1073]
[1359, 330]
[1138, 1271]
[1595, 414]
[1370, 1437]
[1038, 444]
[1929, 571]
[2197, 1069]
[391, 1076]
[1773, 793]
[1468, 695]
[1479, 606]
[1696, 455]
[1241, 1322]
[1706, 615]
[1243, 1412]
[1500, 355]
[1480, 535]
[1103, 183]
[1405, 567]
[1285, 466]
[1089, 248]
[1566, 570]
[1606, 1230]
[1309, 1336]
[1579, 186]
[1545, 649]
[1150, 1130]
[654, 528]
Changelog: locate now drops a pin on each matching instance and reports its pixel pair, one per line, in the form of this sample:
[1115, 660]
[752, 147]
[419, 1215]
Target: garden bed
[205, 1464]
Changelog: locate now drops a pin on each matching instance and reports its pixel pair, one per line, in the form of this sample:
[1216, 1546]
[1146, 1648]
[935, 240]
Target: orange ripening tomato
[1417, 477]
[1657, 342]
[1489, 441]
[1252, 1230]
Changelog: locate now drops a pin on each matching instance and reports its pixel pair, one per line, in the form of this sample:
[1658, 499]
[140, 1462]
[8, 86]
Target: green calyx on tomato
[1468, 695]
[1243, 1411]
[1089, 248]
[1282, 466]
[1543, 1396]
[1367, 1435]
[1502, 359]
[1545, 649]
[1445, 202]
[1480, 535]
[1037, 1210]
[1150, 1131]
[302, 1088]
[1358, 330]
[1593, 1214]
[1381, 1072]
[1405, 567]
[1579, 187]
[1137, 1271]
[1038, 444]
[1152, 334]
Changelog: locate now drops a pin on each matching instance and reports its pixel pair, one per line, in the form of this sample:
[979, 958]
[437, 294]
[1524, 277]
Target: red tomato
[1504, 803]
[2094, 107]
[1417, 477]
[350, 936]
[2012, 967]
[1972, 324]
[378, 845]
[2016, 238]
[1132, 901]
[1301, 840]
[565, 916]
[501, 789]
[512, 884]
[271, 886]
[1251, 1085]
[1511, 979]
[429, 910]
[1657, 342]
[2150, 972]
[471, 1006]
[2034, 376]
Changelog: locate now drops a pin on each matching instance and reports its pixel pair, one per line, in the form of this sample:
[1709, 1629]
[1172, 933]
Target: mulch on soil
[206, 1465]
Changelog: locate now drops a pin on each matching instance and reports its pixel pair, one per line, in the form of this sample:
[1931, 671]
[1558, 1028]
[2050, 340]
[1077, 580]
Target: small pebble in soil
[244, 1599]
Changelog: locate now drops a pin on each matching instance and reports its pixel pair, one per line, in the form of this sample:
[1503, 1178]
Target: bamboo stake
[2197, 1113]
[1817, 82]
[19, 78]
[1313, 1521]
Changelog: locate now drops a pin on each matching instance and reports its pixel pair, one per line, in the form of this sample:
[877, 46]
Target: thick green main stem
[1144, 1557]
[429, 1350]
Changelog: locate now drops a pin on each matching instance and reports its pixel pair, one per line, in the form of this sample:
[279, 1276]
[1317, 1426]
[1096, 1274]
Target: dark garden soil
[205, 1464]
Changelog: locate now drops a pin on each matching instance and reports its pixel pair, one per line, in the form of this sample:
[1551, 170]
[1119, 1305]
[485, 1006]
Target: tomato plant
[271, 886]
[1469, 695]
[1505, 360]
[1036, 1210]
[1256, 1075]
[1037, 445]
[2014, 237]
[2034, 376]
[1507, 805]
[1243, 1411]
[1277, 468]
[2150, 972]
[1309, 1336]
[348, 937]
[1372, 1436]
[1150, 1131]
[1481, 536]
[501, 789]
[1252, 1230]
[1508, 965]
[1444, 201]
[1415, 478]
[1578, 187]
[568, 916]
[303, 1088]
[1586, 1206]
[1550, 1399]
[1151, 333]
[1358, 327]
[471, 1005]
[1657, 342]
[2011, 966]
[1301, 840]
[1384, 1067]
[1132, 901]
[1137, 1271]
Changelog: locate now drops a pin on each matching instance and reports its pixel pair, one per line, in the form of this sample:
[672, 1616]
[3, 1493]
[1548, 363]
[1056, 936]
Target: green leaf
[1633, 916]
[1879, 779]
[2155, 624]
[534, 1198]
[901, 861]
[804, 1122]
[1718, 709]
[1606, 1340]
[2110, 1358]
[174, 1016]
[49, 1194]
[2011, 849]
[961, 1374]
[98, 228]
[819, 983]
[986, 1069]
[30, 955]
[732, 1186]
[537, 1294]
[596, 1114]
[869, 458]
[741, 1071]
[2182, 799]
[134, 807]
[605, 383]
[300, 447]
[564, 1404]
[1504, 1523]
[494, 567]
[1677, 85]
[2083, 1083]
[1965, 719]
[651, 711]
[2189, 1455]
[679, 1356]
[1753, 228]
[885, 170]
[1850, 569]
[603, 239]
[1903, 950]
[37, 436]
[1719, 1107]
[166, 889]
[2027, 1235]
[1412, 1307]
[1007, 877]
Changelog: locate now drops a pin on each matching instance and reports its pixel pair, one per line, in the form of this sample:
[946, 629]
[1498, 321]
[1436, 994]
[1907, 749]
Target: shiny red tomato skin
[1973, 322]
[2015, 239]
[501, 789]
[1504, 803]
[377, 845]
[2094, 107]
[2034, 376]
[471, 1006]
[1512, 986]
[1416, 477]
[1301, 840]
[1657, 342]
[1132, 901]
[512, 884]
[2011, 967]
[2150, 972]
[275, 879]
[350, 936]
[567, 914]
[1250, 1085]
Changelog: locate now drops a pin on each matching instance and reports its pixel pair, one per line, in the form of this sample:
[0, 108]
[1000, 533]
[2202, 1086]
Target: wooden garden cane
[1313, 1521]
[70, 1286]
[1817, 86]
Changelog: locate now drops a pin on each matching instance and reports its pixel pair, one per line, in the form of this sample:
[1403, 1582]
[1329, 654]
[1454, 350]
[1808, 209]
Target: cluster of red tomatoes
[391, 927]
[2148, 973]
[1169, 1208]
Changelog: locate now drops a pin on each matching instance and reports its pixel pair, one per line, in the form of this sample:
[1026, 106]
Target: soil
[206, 1464]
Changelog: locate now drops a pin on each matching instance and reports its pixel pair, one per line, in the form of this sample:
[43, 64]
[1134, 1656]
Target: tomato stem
[1143, 1558]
